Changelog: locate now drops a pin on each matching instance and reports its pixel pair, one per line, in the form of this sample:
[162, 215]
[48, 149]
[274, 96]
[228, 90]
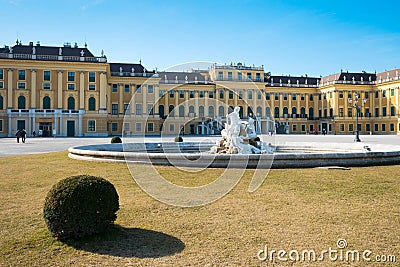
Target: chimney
[30, 43]
[38, 43]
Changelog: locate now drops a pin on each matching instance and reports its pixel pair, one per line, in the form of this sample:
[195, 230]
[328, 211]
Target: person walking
[18, 135]
[23, 135]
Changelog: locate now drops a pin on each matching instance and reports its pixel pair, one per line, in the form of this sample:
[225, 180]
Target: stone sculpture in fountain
[239, 137]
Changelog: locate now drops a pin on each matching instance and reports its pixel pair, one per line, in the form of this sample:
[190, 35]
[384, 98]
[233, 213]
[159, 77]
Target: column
[336, 103]
[346, 101]
[280, 105]
[33, 89]
[246, 99]
[205, 103]
[196, 103]
[298, 107]
[264, 106]
[380, 103]
[156, 98]
[307, 97]
[59, 89]
[396, 94]
[186, 103]
[388, 102]
[144, 105]
[133, 99]
[10, 90]
[176, 96]
[10, 130]
[80, 123]
[103, 88]
[235, 98]
[82, 90]
[255, 95]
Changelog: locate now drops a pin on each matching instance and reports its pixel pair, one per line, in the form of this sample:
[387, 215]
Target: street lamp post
[354, 104]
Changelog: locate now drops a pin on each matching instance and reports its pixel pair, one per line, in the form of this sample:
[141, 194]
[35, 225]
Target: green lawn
[295, 209]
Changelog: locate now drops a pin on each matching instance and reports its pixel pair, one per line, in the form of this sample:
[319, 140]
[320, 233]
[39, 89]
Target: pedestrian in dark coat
[18, 135]
[23, 135]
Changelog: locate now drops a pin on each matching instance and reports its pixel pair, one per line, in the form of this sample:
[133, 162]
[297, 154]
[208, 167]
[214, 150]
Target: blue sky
[287, 37]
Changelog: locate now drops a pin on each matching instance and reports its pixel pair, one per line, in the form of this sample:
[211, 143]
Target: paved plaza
[10, 147]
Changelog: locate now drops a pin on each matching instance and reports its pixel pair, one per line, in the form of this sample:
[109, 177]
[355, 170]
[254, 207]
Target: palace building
[67, 91]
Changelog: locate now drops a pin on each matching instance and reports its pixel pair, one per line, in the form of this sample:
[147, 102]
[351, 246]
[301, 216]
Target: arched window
[285, 110]
[250, 112]
[1, 102]
[171, 110]
[46, 102]
[181, 111]
[211, 111]
[230, 109]
[21, 102]
[311, 112]
[71, 102]
[241, 112]
[294, 110]
[201, 111]
[276, 112]
[161, 111]
[92, 103]
[268, 112]
[191, 109]
[221, 111]
[303, 110]
[259, 112]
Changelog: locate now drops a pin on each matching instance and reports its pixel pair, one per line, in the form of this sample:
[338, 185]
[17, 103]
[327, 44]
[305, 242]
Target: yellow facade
[66, 91]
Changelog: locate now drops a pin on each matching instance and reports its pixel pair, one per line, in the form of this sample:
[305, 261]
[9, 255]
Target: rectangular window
[324, 95]
[330, 94]
[391, 92]
[138, 88]
[1, 85]
[340, 94]
[150, 127]
[249, 76]
[285, 96]
[1, 125]
[150, 89]
[249, 95]
[341, 127]
[383, 127]
[114, 88]
[201, 94]
[368, 127]
[171, 94]
[71, 86]
[341, 112]
[150, 109]
[276, 96]
[220, 75]
[240, 95]
[366, 95]
[377, 94]
[259, 95]
[258, 78]
[127, 88]
[221, 94]
[138, 109]
[294, 128]
[91, 125]
[367, 114]
[46, 75]
[127, 126]
[71, 76]
[21, 75]
[114, 109]
[303, 127]
[1, 74]
[21, 85]
[172, 128]
[114, 126]
[92, 77]
[240, 76]
[92, 87]
[350, 127]
[349, 112]
[138, 127]
[181, 94]
[230, 76]
[392, 127]
[384, 93]
[392, 111]
[376, 127]
[191, 94]
[384, 111]
[46, 86]
[161, 93]
[376, 112]
[211, 94]
[126, 109]
[302, 97]
[294, 96]
[311, 97]
[267, 96]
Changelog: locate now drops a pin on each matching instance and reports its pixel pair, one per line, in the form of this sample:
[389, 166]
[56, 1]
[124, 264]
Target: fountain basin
[194, 154]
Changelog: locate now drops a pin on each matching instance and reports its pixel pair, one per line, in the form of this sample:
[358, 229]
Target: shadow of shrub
[130, 242]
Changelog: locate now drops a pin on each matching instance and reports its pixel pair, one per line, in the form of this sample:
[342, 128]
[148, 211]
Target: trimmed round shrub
[178, 139]
[116, 140]
[79, 206]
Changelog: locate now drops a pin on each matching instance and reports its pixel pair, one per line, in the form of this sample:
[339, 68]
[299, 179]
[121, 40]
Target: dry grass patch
[293, 209]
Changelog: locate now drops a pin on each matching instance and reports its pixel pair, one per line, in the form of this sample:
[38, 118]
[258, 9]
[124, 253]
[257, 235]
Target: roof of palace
[181, 77]
[292, 80]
